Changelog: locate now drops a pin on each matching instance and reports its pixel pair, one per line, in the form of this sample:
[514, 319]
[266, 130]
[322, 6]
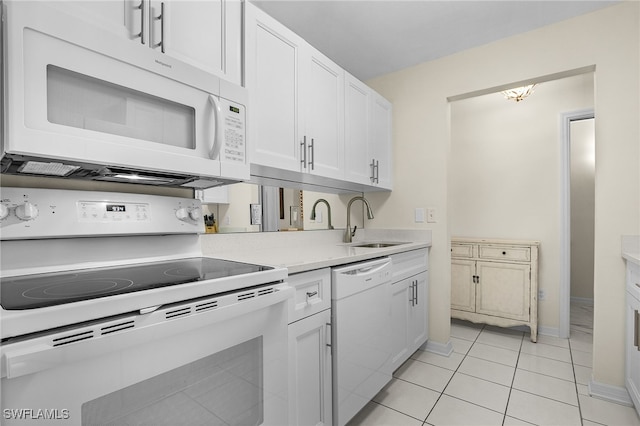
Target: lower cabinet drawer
[518, 254]
[313, 293]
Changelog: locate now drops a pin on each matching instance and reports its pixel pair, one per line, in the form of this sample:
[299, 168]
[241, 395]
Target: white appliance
[81, 102]
[361, 338]
[132, 325]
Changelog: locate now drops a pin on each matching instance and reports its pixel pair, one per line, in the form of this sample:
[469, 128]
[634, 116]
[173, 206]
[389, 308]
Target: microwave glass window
[221, 389]
[81, 101]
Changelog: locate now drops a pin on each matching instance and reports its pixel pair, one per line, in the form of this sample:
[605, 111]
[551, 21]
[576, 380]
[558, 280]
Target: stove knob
[195, 213]
[182, 214]
[27, 211]
[4, 211]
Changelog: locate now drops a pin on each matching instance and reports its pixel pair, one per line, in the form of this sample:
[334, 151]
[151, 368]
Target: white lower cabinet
[632, 374]
[309, 349]
[408, 304]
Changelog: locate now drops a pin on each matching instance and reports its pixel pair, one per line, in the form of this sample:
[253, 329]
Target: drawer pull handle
[504, 253]
[311, 293]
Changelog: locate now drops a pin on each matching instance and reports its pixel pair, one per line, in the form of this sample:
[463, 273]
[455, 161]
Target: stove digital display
[116, 208]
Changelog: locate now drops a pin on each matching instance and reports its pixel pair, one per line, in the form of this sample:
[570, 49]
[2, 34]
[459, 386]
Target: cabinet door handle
[141, 33]
[329, 330]
[377, 170]
[303, 149]
[312, 154]
[636, 328]
[373, 170]
[161, 19]
[416, 287]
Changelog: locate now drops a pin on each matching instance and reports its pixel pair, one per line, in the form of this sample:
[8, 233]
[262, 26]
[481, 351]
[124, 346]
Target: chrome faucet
[313, 210]
[348, 236]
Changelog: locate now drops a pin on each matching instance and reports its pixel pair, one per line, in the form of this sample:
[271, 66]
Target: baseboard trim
[549, 331]
[617, 394]
[444, 349]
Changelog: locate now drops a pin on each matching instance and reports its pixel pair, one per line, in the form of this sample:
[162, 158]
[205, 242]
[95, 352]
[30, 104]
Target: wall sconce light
[519, 93]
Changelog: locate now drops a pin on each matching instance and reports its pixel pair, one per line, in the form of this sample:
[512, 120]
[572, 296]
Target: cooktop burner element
[42, 290]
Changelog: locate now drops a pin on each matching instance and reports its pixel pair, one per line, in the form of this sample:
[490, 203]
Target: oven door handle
[29, 357]
[214, 152]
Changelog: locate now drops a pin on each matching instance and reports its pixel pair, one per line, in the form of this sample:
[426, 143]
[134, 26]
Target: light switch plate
[419, 215]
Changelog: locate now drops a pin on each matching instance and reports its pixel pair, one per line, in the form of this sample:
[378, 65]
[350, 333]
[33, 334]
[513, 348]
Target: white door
[418, 314]
[504, 290]
[197, 32]
[357, 156]
[310, 370]
[381, 148]
[324, 115]
[463, 288]
[271, 59]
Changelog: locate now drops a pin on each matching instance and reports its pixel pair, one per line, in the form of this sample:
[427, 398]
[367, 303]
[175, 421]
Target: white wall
[505, 173]
[607, 40]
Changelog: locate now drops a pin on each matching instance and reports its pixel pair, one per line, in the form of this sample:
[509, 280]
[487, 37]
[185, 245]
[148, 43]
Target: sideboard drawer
[313, 293]
[517, 254]
[461, 250]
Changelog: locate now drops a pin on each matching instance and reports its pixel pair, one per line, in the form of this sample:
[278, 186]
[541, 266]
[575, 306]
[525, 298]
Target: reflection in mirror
[247, 207]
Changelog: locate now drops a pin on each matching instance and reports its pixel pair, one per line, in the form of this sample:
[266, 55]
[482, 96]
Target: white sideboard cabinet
[495, 282]
[309, 349]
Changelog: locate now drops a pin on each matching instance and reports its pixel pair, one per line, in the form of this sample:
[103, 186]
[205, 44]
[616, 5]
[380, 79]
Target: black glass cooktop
[41, 290]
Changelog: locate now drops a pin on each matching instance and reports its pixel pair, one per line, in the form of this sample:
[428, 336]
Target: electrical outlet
[541, 294]
[431, 215]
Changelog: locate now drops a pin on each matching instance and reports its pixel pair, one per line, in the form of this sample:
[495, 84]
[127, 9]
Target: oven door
[219, 360]
[82, 94]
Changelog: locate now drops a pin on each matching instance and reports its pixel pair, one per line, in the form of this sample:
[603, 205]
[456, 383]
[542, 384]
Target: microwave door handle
[217, 131]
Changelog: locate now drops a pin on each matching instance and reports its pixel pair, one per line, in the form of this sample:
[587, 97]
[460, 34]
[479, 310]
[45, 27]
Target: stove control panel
[29, 213]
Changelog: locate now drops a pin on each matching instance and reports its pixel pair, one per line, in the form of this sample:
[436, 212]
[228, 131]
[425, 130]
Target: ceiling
[370, 38]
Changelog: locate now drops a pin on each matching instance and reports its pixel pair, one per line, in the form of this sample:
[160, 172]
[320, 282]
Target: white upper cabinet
[368, 143]
[357, 132]
[204, 34]
[323, 105]
[296, 98]
[271, 57]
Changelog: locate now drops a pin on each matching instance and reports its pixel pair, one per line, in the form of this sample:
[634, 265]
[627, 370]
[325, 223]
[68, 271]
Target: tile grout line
[454, 373]
[513, 379]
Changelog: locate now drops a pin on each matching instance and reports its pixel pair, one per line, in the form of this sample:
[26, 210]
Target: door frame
[565, 216]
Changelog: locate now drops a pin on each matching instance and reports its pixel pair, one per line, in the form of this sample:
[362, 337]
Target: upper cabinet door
[381, 149]
[323, 89]
[357, 103]
[205, 34]
[271, 57]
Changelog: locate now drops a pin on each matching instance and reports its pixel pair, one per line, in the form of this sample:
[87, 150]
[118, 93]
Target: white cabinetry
[367, 135]
[296, 97]
[632, 375]
[409, 303]
[204, 34]
[309, 349]
[495, 282]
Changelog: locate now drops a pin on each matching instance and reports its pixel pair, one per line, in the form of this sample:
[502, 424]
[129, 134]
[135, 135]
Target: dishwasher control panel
[356, 277]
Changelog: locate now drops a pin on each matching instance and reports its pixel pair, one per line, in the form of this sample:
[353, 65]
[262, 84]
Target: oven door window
[84, 102]
[225, 388]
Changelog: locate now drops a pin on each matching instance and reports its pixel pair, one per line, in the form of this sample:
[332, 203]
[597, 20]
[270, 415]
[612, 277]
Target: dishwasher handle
[365, 268]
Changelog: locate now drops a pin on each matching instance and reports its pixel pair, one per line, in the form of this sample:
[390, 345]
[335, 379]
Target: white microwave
[81, 102]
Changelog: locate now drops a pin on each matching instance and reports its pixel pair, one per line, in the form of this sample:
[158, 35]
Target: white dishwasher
[361, 335]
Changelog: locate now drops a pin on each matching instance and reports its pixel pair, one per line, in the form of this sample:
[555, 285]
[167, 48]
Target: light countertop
[305, 251]
[631, 248]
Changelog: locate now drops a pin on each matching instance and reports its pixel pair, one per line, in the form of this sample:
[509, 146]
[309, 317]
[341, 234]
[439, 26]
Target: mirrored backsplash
[248, 207]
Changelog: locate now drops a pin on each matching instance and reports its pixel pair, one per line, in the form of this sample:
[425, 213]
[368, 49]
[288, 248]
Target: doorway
[578, 192]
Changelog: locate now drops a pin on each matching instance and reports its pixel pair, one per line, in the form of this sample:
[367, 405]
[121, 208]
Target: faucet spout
[348, 236]
[313, 210]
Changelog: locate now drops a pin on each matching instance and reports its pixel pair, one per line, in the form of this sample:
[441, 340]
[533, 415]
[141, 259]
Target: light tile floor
[497, 376]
